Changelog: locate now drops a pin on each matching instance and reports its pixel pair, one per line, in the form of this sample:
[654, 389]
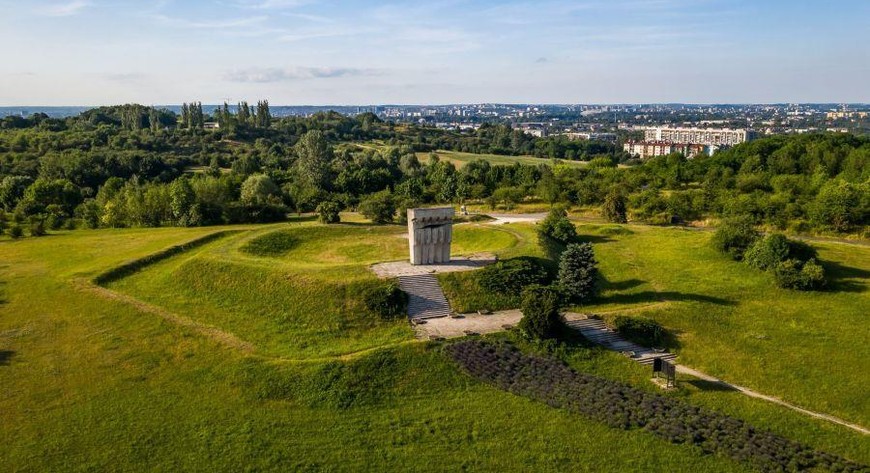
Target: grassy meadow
[96, 383]
[729, 320]
[460, 159]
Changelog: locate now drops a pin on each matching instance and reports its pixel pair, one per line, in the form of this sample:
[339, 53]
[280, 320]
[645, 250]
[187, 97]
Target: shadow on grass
[5, 357]
[705, 385]
[647, 297]
[369, 224]
[594, 239]
[293, 218]
[606, 285]
[841, 278]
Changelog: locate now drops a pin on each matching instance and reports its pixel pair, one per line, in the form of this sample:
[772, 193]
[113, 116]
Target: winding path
[595, 331]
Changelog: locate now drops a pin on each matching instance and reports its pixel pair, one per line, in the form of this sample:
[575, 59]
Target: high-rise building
[700, 136]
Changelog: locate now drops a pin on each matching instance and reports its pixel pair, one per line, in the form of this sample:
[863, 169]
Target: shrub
[795, 274]
[768, 252]
[386, 300]
[379, 207]
[614, 209]
[578, 272]
[622, 406]
[511, 276]
[734, 236]
[641, 330]
[540, 308]
[327, 212]
[15, 231]
[37, 228]
[556, 232]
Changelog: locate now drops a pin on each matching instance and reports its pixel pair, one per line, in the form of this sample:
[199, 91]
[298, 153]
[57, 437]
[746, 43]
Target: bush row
[131, 267]
[511, 276]
[641, 330]
[622, 406]
[792, 263]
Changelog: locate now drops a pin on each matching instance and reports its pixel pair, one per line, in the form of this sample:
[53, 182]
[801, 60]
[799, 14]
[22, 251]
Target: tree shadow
[662, 296]
[6, 357]
[293, 218]
[607, 285]
[705, 385]
[369, 224]
[594, 239]
[842, 278]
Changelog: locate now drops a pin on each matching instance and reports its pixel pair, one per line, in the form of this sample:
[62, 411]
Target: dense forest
[138, 166]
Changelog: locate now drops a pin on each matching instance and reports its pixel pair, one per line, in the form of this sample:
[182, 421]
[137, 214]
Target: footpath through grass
[731, 321]
[95, 384]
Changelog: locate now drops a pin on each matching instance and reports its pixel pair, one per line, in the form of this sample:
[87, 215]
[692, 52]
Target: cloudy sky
[92, 52]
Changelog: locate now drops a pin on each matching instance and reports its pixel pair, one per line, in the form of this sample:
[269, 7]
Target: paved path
[501, 219]
[394, 269]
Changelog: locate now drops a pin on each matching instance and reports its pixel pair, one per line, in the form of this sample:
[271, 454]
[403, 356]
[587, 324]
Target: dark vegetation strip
[130, 267]
[622, 406]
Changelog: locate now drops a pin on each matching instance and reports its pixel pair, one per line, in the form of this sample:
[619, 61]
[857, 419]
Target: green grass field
[96, 383]
[730, 321]
[461, 159]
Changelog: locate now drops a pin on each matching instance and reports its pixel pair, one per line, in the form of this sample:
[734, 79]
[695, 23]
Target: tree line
[139, 166]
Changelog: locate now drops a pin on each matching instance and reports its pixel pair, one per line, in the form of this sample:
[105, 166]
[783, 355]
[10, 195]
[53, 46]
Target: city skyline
[91, 52]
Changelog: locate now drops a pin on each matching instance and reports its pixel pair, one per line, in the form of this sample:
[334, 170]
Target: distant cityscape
[643, 130]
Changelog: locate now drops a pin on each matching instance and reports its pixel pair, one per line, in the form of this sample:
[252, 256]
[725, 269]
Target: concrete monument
[429, 234]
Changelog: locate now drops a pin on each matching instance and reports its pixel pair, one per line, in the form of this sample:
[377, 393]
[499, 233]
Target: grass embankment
[95, 384]
[731, 321]
[293, 291]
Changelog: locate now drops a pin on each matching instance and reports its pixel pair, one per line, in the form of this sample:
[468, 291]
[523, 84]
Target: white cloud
[262, 75]
[272, 4]
[70, 8]
[209, 24]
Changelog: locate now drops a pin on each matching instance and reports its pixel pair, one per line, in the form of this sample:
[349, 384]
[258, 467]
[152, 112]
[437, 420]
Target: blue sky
[92, 52]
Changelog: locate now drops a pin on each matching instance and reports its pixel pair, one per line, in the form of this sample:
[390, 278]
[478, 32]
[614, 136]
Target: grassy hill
[99, 383]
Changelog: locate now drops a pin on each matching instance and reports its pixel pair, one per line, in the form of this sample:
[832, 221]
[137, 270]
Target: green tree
[540, 308]
[182, 200]
[614, 209]
[314, 155]
[380, 207]
[259, 190]
[556, 232]
[839, 206]
[578, 272]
